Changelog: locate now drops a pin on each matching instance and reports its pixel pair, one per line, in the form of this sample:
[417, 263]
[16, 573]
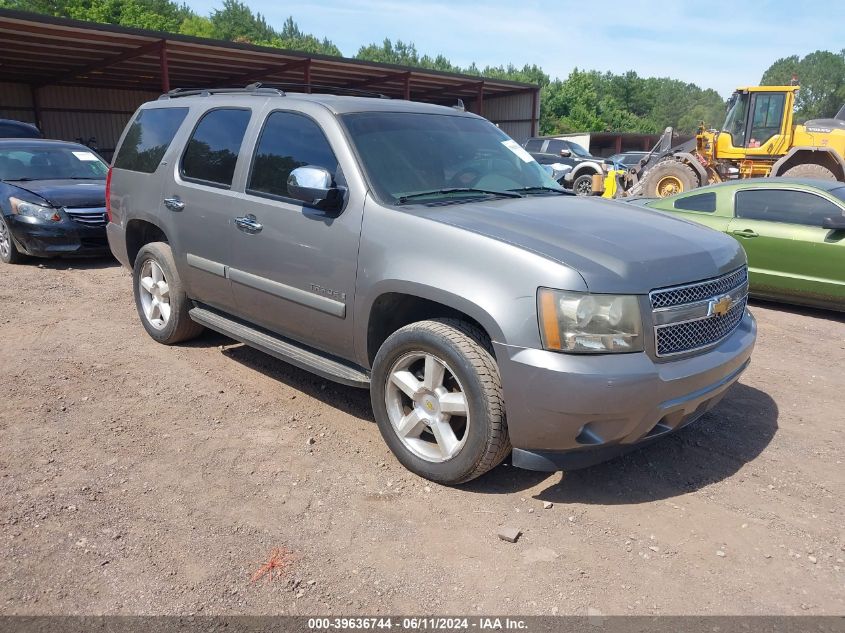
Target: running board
[284, 349]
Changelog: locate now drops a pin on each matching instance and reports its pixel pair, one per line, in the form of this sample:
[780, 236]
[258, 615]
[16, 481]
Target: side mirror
[835, 223]
[313, 185]
[565, 153]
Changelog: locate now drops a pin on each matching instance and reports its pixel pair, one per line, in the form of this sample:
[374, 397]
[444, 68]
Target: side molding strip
[302, 297]
[201, 263]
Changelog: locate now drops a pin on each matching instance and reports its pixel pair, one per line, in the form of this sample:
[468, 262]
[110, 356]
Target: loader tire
[667, 178]
[809, 170]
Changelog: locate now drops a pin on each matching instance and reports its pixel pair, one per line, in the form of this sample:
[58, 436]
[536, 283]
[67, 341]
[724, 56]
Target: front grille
[699, 291]
[686, 317]
[88, 216]
[692, 335]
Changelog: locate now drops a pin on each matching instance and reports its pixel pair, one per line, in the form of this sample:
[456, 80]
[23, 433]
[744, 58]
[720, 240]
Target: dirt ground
[141, 479]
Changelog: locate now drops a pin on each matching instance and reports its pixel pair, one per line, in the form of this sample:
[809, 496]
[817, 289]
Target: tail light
[108, 195]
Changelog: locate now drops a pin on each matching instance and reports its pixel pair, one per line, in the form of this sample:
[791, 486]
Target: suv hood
[67, 193]
[616, 247]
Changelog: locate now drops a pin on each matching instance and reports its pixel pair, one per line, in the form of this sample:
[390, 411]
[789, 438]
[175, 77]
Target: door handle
[745, 233]
[248, 224]
[174, 203]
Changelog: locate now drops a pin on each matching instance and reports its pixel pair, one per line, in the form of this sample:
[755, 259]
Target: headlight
[32, 210]
[586, 323]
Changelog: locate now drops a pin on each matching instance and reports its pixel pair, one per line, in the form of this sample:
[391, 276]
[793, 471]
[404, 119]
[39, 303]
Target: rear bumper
[117, 243]
[54, 239]
[566, 411]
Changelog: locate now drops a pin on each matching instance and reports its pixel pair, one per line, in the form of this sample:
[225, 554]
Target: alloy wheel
[155, 294]
[427, 407]
[5, 241]
[585, 188]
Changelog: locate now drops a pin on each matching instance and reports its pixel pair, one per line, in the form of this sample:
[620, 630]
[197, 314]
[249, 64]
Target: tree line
[586, 100]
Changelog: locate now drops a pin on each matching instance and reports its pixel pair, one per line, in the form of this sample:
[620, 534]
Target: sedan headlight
[586, 323]
[33, 210]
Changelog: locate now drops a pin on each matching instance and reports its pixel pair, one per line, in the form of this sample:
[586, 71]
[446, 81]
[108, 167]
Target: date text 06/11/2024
[416, 624]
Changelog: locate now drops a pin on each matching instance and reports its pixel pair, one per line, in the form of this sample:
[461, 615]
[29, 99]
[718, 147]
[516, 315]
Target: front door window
[767, 117]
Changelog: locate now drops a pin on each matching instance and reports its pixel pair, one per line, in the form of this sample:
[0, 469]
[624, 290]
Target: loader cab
[758, 123]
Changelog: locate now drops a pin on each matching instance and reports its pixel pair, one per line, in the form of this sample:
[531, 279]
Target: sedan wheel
[8, 252]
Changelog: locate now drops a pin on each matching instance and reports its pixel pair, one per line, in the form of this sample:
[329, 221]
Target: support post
[535, 115]
[165, 71]
[307, 73]
[36, 106]
[407, 86]
[480, 100]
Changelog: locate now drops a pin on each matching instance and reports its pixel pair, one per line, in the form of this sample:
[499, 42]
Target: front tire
[667, 178]
[160, 297]
[9, 253]
[583, 185]
[437, 398]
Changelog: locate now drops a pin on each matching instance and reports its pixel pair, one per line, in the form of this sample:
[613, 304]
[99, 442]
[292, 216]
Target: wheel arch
[824, 156]
[395, 307]
[140, 233]
[582, 169]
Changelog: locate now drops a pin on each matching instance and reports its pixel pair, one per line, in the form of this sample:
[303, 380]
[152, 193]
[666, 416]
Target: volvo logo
[722, 305]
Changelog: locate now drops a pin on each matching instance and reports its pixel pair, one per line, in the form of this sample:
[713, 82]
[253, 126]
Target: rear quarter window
[702, 202]
[212, 151]
[148, 138]
[534, 145]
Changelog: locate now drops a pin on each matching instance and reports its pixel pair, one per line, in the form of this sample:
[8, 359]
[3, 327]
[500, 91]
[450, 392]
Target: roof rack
[326, 88]
[255, 89]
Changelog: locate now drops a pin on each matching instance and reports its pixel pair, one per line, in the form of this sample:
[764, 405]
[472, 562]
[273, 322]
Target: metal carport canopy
[41, 50]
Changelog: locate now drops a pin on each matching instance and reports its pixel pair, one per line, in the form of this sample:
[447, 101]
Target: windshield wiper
[541, 188]
[488, 192]
[18, 179]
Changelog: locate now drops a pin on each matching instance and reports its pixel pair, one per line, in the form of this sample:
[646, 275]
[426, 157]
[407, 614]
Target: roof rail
[255, 89]
[289, 86]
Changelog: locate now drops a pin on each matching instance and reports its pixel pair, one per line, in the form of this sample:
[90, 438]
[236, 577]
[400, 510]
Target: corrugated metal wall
[69, 113]
[511, 113]
[16, 102]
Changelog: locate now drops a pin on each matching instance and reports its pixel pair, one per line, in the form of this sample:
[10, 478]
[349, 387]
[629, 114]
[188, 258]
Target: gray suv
[418, 251]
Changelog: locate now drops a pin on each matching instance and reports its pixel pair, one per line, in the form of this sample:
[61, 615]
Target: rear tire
[437, 398]
[160, 297]
[9, 253]
[809, 170]
[667, 178]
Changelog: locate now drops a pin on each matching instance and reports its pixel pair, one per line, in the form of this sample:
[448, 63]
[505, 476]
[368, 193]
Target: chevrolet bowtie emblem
[722, 305]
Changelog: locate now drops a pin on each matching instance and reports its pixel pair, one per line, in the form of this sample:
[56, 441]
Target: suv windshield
[407, 155]
[29, 162]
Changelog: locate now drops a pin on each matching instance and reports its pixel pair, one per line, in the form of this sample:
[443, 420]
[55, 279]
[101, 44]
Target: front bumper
[569, 411]
[52, 239]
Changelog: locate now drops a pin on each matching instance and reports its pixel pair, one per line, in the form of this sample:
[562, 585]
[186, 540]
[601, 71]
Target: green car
[793, 232]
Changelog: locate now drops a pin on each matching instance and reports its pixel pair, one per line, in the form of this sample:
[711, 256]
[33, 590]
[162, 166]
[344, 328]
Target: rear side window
[534, 145]
[705, 202]
[555, 147]
[288, 141]
[148, 138]
[781, 205]
[212, 152]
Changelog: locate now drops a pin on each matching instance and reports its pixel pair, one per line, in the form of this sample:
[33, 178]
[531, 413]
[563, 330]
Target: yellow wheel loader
[758, 138]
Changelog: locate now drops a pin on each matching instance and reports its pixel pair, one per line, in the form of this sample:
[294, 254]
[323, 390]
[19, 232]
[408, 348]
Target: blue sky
[715, 44]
